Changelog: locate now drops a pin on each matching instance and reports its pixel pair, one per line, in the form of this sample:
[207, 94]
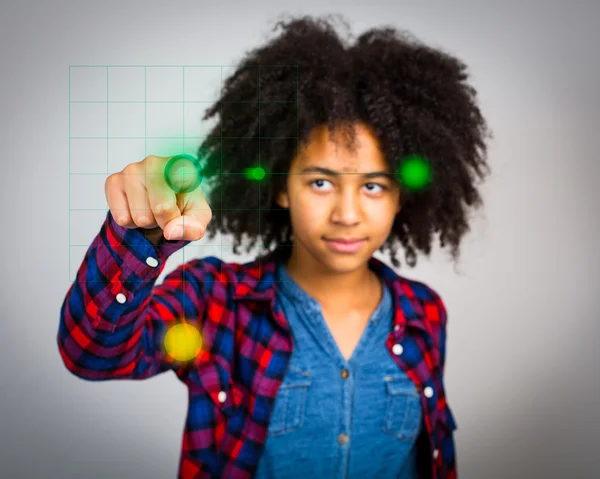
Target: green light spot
[257, 173]
[414, 172]
[183, 173]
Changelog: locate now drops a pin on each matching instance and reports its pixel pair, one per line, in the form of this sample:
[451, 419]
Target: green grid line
[107, 137]
[220, 209]
[183, 138]
[145, 119]
[192, 245]
[220, 282]
[231, 102]
[183, 109]
[183, 150]
[145, 113]
[259, 157]
[178, 137]
[106, 173]
[187, 66]
[69, 196]
[221, 133]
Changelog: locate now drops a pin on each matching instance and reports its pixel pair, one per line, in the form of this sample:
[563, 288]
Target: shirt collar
[256, 281]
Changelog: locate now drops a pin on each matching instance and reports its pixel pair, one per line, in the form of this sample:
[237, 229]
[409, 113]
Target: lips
[345, 241]
[345, 246]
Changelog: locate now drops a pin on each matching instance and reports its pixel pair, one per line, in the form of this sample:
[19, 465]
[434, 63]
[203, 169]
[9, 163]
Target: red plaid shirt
[114, 319]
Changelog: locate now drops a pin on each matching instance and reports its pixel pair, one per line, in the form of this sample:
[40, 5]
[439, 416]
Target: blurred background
[522, 373]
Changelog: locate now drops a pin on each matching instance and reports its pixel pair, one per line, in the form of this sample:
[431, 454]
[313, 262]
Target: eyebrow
[328, 172]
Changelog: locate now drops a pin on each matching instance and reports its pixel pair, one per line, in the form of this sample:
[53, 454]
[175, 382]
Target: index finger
[183, 173]
[172, 189]
[163, 200]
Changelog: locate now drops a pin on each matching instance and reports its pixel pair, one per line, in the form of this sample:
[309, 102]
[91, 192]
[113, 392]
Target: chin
[345, 261]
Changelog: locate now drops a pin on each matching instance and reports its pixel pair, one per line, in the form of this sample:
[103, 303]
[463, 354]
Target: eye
[319, 180]
[376, 184]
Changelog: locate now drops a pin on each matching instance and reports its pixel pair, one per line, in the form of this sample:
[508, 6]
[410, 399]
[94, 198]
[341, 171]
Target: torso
[346, 329]
[347, 325]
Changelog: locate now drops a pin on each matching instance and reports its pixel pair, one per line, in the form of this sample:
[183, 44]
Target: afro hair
[414, 98]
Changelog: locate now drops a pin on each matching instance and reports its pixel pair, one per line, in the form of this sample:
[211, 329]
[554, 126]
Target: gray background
[522, 370]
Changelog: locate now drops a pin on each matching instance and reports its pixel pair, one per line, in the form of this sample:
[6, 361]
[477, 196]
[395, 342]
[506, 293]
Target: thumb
[184, 227]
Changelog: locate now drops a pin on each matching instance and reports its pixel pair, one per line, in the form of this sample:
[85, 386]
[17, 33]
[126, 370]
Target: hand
[139, 197]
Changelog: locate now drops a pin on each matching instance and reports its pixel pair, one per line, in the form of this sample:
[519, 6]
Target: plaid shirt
[114, 319]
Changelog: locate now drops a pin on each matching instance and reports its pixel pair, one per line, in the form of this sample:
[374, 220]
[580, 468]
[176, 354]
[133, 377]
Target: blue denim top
[335, 418]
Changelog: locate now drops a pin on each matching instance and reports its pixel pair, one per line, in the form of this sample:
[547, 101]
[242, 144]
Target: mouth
[345, 245]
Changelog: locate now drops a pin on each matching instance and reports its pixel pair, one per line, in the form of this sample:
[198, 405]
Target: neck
[348, 290]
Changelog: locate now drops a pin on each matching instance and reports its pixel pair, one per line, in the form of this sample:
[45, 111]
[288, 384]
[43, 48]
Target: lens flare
[414, 172]
[183, 342]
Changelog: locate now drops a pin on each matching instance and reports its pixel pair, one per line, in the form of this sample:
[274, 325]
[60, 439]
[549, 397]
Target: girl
[315, 359]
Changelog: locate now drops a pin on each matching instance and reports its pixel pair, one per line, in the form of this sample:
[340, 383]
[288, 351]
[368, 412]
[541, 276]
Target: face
[342, 204]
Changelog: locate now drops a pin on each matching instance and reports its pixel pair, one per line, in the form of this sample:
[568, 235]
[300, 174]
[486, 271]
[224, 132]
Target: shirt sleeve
[442, 318]
[114, 319]
[447, 465]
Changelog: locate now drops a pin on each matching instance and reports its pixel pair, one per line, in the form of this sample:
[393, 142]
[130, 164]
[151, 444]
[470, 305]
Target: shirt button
[150, 261]
[397, 349]
[345, 373]
[397, 327]
[343, 439]
[121, 298]
[436, 453]
[222, 396]
[428, 391]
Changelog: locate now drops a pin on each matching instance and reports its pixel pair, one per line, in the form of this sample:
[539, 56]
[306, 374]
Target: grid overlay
[85, 93]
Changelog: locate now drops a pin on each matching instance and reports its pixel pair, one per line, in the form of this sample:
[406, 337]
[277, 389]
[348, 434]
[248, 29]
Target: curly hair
[413, 97]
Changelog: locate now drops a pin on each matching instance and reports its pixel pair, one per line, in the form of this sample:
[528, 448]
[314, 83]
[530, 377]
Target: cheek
[382, 218]
[306, 216]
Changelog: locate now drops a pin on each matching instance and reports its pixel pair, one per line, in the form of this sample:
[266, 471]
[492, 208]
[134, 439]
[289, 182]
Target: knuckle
[122, 219]
[111, 180]
[127, 172]
[163, 208]
[142, 219]
[207, 216]
[201, 230]
[151, 161]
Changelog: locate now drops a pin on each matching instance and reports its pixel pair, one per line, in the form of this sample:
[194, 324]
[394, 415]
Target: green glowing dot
[183, 173]
[257, 173]
[414, 172]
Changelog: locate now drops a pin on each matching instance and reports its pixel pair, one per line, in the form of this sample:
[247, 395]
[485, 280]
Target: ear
[282, 199]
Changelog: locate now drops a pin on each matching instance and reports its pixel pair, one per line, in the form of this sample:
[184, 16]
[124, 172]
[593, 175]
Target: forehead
[330, 152]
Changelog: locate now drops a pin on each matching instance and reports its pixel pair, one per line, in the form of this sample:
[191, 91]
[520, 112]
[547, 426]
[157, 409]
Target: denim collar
[292, 290]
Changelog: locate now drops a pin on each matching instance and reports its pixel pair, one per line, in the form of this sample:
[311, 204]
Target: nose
[348, 208]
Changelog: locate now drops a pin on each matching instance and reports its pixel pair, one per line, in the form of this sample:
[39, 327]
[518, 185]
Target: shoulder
[214, 266]
[433, 317]
[428, 299]
[433, 306]
[431, 313]
[222, 277]
[210, 273]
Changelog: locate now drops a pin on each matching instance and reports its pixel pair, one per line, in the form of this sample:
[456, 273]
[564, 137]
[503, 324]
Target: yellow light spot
[183, 342]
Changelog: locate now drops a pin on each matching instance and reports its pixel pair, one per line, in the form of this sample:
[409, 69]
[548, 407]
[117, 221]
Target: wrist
[154, 235]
